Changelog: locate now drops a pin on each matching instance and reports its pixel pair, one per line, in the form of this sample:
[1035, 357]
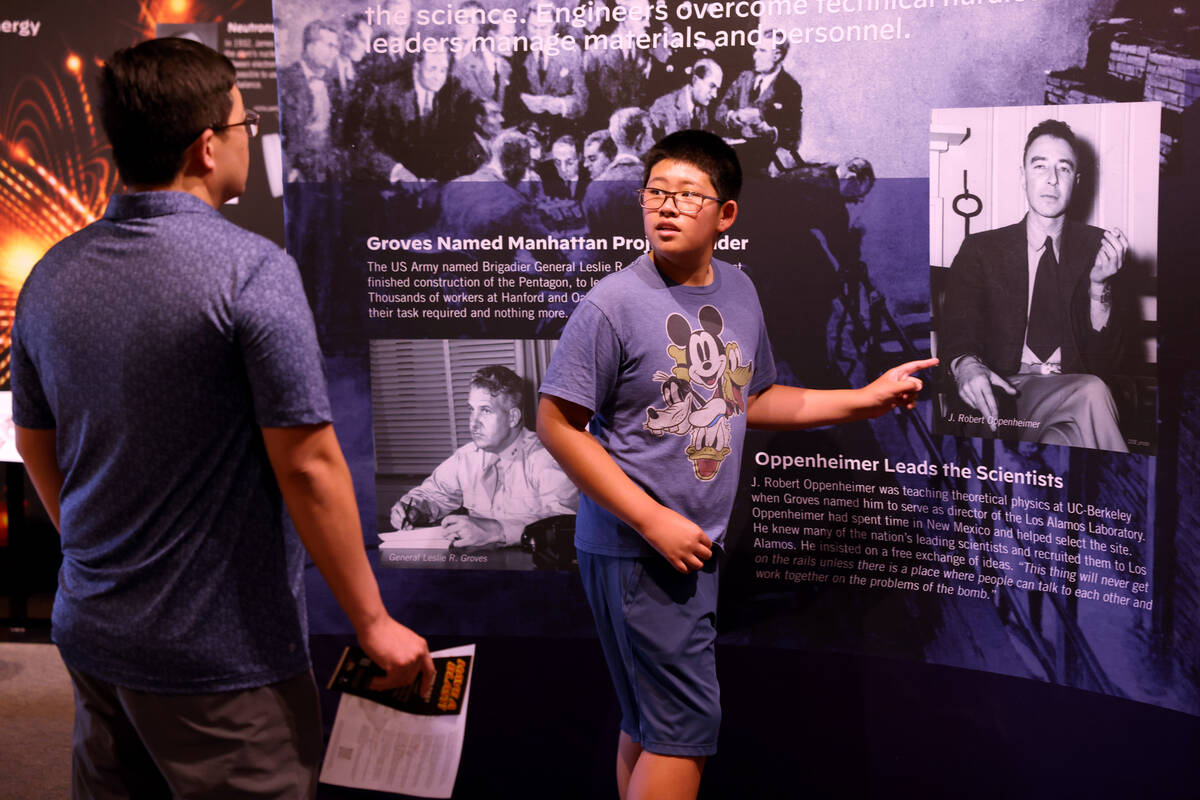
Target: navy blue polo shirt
[156, 342]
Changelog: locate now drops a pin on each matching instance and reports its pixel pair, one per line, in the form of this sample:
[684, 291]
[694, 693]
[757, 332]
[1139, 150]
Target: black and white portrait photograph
[461, 477]
[1043, 241]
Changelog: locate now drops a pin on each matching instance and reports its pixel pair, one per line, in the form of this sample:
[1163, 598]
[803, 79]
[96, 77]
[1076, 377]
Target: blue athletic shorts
[658, 629]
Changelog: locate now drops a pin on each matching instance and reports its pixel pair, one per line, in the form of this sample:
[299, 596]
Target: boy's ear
[728, 214]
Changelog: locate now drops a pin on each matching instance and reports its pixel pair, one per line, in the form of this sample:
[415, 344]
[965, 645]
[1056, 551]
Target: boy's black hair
[156, 98]
[705, 151]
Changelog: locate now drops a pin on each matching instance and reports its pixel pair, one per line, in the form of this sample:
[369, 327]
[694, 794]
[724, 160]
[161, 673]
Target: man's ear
[514, 417]
[728, 213]
[200, 158]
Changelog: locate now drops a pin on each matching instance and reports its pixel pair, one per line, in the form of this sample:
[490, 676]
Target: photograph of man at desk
[499, 501]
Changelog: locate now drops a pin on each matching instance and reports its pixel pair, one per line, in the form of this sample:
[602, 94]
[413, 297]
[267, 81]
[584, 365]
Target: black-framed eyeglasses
[685, 202]
[251, 123]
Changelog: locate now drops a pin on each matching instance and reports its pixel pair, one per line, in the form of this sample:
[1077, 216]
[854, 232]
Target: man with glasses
[1029, 319]
[169, 399]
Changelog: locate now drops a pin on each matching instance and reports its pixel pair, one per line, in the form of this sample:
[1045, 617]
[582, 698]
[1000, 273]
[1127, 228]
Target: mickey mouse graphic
[703, 390]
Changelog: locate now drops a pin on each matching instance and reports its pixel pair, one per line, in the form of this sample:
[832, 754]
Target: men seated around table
[1029, 320]
[504, 478]
[688, 106]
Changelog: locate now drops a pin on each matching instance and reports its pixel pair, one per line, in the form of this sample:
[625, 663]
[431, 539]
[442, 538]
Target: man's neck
[1039, 227]
[188, 184]
[499, 449]
[696, 271]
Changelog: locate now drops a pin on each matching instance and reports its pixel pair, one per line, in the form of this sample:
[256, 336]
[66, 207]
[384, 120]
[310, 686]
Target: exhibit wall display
[477, 177]
[455, 177]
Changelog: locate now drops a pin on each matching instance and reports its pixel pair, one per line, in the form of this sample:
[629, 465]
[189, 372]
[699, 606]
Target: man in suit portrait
[763, 105]
[313, 98]
[392, 21]
[688, 106]
[355, 44]
[406, 121]
[550, 85]
[561, 175]
[481, 71]
[624, 73]
[1029, 321]
[476, 150]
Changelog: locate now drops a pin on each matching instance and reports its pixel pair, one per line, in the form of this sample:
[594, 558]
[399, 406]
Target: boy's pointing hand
[898, 387]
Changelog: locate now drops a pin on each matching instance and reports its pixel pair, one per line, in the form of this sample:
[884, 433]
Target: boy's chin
[676, 250]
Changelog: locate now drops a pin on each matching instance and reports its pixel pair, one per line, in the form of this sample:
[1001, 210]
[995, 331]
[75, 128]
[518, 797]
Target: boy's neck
[687, 272]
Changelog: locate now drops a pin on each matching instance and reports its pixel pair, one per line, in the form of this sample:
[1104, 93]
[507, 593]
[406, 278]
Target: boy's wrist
[643, 514]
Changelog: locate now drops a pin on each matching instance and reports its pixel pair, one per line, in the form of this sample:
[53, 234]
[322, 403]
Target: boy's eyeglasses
[685, 202]
[251, 123]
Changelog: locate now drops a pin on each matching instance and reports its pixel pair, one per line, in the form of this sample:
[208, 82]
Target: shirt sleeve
[443, 490]
[30, 408]
[583, 369]
[275, 330]
[765, 372]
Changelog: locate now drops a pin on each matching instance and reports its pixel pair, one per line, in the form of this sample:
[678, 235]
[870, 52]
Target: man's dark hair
[310, 31]
[511, 148]
[155, 99]
[707, 152]
[627, 127]
[567, 138]
[703, 68]
[496, 379]
[1056, 128]
[604, 139]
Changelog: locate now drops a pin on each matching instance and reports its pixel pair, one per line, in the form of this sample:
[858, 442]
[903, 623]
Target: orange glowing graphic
[55, 176]
[56, 170]
[153, 12]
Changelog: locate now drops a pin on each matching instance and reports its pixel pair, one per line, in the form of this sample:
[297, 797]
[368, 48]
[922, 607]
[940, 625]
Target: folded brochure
[356, 670]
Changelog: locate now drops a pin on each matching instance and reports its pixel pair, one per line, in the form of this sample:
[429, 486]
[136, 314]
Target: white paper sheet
[385, 750]
[432, 537]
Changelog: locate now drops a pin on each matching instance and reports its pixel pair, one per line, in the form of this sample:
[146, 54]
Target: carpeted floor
[36, 712]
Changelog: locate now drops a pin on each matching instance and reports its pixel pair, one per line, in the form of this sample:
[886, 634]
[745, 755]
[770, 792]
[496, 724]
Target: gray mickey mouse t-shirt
[666, 371]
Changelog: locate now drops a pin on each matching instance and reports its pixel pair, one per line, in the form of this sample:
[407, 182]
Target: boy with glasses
[645, 405]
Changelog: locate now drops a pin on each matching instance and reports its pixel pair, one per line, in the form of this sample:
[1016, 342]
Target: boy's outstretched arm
[562, 427]
[788, 407]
